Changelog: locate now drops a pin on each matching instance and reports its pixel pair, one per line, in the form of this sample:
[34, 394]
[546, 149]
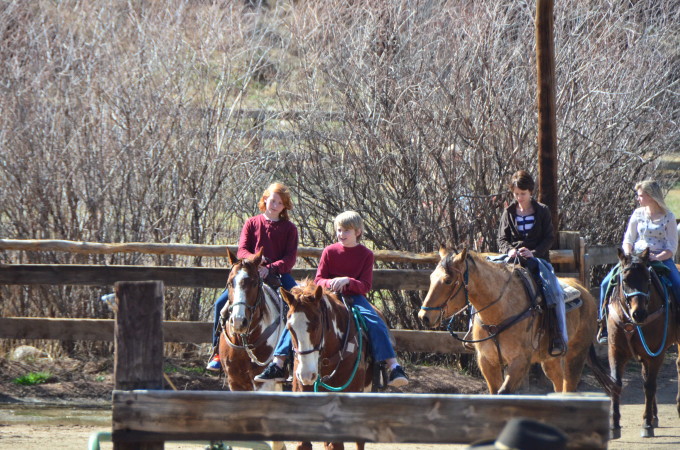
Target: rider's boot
[557, 345]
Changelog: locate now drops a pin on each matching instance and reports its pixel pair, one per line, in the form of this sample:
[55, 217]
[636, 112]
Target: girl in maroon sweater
[277, 236]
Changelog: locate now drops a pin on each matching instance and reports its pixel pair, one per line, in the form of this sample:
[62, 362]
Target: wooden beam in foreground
[399, 418]
[192, 332]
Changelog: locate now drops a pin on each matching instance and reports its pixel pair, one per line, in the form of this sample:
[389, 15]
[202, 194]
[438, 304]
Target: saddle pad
[573, 304]
[570, 293]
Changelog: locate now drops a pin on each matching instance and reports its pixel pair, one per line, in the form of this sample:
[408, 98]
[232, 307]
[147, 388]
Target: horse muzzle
[239, 324]
[430, 318]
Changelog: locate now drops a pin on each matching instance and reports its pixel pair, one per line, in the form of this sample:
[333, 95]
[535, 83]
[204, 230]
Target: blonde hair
[652, 188]
[284, 193]
[350, 220]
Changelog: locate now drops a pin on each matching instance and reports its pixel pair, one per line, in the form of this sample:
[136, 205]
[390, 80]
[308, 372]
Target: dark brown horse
[508, 329]
[255, 321]
[330, 352]
[641, 324]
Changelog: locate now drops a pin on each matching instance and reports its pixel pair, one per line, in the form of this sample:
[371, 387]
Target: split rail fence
[571, 260]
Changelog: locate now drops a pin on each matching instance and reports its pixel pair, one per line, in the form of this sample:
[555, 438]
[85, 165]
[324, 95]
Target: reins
[629, 326]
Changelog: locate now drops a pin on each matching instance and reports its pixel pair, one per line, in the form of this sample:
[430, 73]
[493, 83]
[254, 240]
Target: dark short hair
[522, 180]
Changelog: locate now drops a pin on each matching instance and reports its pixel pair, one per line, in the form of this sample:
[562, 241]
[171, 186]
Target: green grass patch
[33, 378]
[673, 200]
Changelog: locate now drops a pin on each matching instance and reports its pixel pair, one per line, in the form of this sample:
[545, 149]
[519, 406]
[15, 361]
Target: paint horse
[508, 331]
[254, 322]
[331, 351]
[641, 324]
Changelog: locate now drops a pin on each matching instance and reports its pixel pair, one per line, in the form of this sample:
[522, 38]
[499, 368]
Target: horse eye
[448, 280]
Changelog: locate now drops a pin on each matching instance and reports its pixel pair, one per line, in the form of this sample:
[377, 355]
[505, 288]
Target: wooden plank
[599, 255]
[219, 251]
[192, 332]
[397, 418]
[138, 343]
[428, 341]
[197, 277]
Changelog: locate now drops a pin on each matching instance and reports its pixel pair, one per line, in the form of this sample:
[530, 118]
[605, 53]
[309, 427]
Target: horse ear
[257, 259]
[622, 256]
[463, 253]
[232, 259]
[318, 293]
[442, 251]
[287, 297]
[645, 255]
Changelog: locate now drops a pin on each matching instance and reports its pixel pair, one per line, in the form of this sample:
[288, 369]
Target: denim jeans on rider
[287, 282]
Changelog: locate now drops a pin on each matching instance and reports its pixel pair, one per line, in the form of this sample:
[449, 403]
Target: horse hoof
[647, 432]
[615, 433]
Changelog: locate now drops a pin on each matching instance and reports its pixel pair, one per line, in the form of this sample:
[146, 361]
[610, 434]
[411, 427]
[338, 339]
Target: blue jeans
[287, 282]
[603, 290]
[674, 277]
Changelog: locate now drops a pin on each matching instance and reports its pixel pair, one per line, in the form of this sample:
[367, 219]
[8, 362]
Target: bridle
[245, 337]
[460, 282]
[627, 323]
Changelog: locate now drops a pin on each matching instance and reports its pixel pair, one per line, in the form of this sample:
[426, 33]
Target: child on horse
[652, 226]
[526, 234]
[346, 267]
[278, 237]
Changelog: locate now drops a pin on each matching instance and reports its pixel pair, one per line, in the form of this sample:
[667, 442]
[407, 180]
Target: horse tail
[606, 381]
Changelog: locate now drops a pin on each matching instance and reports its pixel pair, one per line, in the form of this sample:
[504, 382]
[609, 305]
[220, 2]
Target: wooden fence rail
[193, 332]
[556, 256]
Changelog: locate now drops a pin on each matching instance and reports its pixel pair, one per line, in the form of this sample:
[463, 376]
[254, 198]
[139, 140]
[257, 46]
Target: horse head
[306, 325]
[448, 287]
[245, 291]
[635, 281]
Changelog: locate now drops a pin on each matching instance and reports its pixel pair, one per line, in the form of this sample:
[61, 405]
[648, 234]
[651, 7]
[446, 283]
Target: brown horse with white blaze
[641, 324]
[255, 320]
[508, 330]
[331, 354]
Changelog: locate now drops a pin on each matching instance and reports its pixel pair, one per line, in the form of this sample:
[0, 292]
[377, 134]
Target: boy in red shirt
[346, 267]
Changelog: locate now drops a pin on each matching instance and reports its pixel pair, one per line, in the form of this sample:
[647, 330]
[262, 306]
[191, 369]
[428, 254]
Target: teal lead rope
[665, 326]
[361, 325]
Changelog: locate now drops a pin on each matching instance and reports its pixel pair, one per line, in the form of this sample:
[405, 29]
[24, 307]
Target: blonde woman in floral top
[652, 226]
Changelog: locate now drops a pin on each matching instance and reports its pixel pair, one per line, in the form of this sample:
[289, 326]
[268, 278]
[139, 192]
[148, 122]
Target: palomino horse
[641, 324]
[256, 320]
[331, 354]
[508, 331]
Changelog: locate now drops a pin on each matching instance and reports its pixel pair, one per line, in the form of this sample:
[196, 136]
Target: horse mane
[307, 288]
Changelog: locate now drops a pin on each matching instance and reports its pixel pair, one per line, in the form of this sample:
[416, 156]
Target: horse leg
[677, 399]
[492, 373]
[574, 361]
[334, 446]
[617, 364]
[515, 373]
[304, 446]
[650, 370]
[554, 370]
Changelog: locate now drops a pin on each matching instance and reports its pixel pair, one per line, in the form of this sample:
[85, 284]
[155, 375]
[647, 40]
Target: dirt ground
[75, 402]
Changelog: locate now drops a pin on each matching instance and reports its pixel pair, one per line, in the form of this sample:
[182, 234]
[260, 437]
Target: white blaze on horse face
[238, 313]
[308, 365]
[435, 297]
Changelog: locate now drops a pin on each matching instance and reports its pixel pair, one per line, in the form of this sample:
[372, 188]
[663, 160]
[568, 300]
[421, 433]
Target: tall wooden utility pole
[547, 124]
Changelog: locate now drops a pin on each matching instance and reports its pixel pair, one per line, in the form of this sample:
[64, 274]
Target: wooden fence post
[138, 343]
